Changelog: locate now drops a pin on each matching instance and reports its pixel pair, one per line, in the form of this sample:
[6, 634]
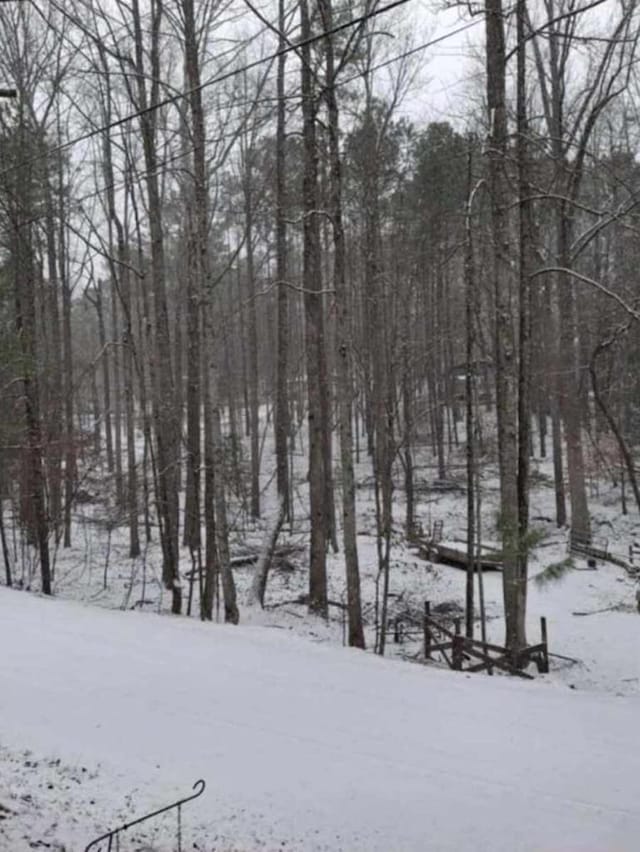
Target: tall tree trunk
[132, 468]
[382, 401]
[217, 557]
[506, 367]
[55, 427]
[344, 347]
[5, 548]
[214, 468]
[167, 432]
[116, 358]
[144, 361]
[525, 234]
[192, 536]
[193, 459]
[106, 375]
[121, 278]
[569, 372]
[408, 417]
[313, 324]
[252, 366]
[22, 216]
[69, 437]
[97, 417]
[212, 565]
[470, 315]
[282, 395]
[570, 378]
[552, 363]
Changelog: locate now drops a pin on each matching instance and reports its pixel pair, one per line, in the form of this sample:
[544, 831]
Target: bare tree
[344, 345]
[314, 326]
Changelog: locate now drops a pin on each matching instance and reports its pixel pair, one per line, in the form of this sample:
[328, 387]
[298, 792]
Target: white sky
[449, 68]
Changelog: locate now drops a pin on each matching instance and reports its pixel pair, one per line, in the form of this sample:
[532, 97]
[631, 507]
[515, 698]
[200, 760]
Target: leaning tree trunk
[616, 431]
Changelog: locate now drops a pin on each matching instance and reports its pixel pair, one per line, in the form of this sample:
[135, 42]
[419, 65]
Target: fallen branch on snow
[595, 611]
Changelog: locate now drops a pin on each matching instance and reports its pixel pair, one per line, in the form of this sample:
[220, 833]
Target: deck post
[545, 648]
[427, 630]
[457, 648]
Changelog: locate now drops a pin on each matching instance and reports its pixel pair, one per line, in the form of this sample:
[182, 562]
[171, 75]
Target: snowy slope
[303, 746]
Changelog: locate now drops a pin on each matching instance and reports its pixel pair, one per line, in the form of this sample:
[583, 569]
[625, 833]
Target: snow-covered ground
[603, 645]
[107, 714]
[303, 746]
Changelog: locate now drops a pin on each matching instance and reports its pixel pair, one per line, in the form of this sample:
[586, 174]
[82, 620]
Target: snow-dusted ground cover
[605, 644]
[105, 715]
[304, 746]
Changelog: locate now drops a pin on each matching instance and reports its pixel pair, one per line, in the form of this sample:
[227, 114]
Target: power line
[137, 178]
[172, 99]
[235, 103]
[340, 82]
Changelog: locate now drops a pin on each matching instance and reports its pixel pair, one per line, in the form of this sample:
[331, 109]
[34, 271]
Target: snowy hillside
[105, 715]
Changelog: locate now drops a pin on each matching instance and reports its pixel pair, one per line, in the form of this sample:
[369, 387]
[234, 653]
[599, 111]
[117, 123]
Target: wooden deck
[450, 553]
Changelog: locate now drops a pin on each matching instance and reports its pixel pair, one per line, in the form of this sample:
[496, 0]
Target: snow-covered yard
[603, 643]
[303, 746]
[108, 712]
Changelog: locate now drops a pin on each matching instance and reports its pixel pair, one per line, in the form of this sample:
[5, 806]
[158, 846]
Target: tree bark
[313, 325]
[282, 396]
[506, 366]
[167, 431]
[525, 234]
[25, 326]
[344, 347]
[252, 366]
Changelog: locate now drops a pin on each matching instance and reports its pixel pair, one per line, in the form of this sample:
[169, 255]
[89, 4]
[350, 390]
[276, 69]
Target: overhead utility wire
[120, 183]
[172, 99]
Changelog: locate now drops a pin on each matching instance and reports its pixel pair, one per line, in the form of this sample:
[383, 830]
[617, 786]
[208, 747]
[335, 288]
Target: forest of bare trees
[224, 242]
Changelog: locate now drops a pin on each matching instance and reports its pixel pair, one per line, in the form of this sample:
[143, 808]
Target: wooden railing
[473, 655]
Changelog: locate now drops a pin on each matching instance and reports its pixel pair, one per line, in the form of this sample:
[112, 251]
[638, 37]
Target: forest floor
[305, 745]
